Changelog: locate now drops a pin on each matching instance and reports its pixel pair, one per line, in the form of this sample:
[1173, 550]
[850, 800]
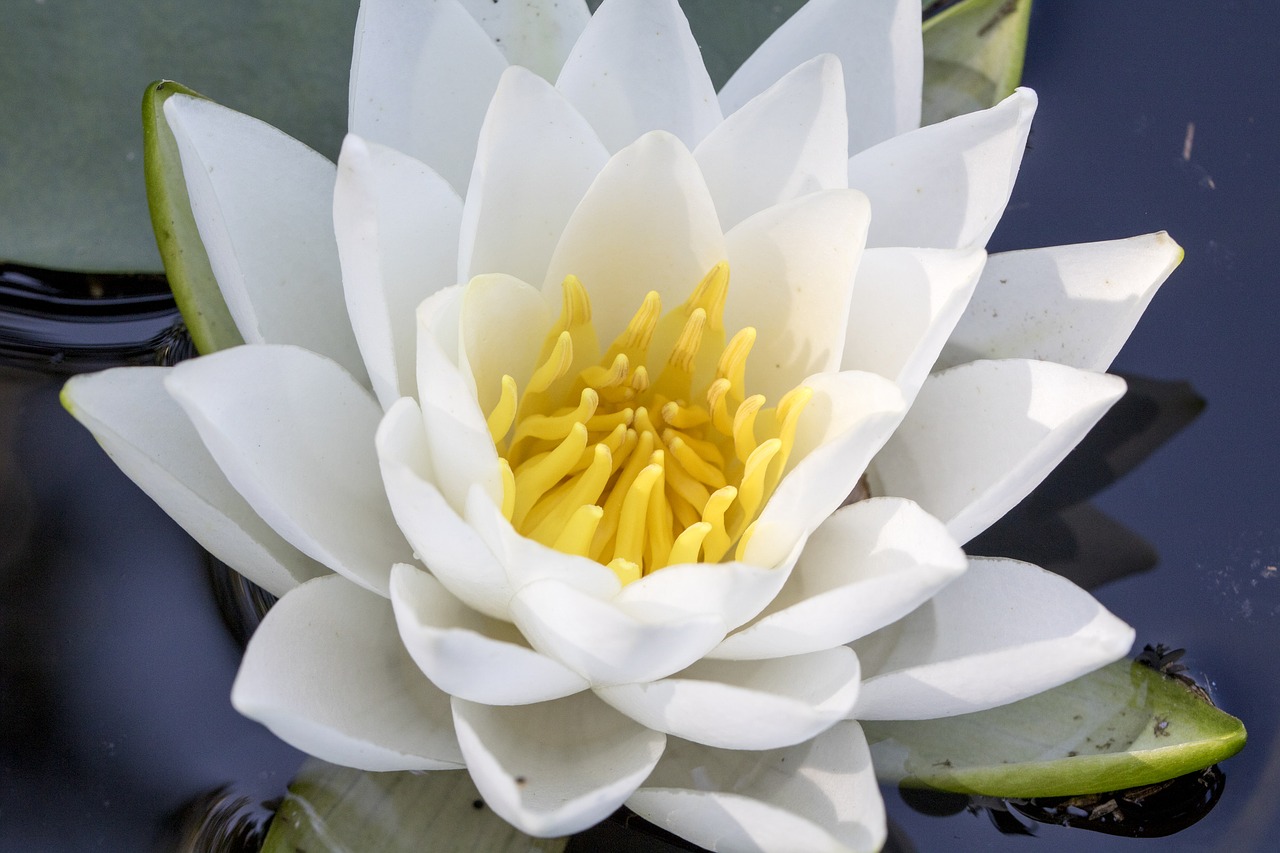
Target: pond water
[117, 666]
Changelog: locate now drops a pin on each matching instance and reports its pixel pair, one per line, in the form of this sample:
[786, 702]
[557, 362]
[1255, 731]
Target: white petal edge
[818, 796]
[293, 433]
[537, 35]
[148, 435]
[263, 204]
[326, 672]
[1003, 631]
[555, 768]
[1075, 305]
[945, 186]
[982, 435]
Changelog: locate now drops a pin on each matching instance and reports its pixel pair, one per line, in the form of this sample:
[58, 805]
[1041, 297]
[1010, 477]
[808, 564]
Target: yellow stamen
[677, 376]
[556, 427]
[585, 490]
[733, 363]
[577, 534]
[635, 339]
[744, 427]
[535, 479]
[697, 467]
[689, 543]
[504, 413]
[508, 488]
[635, 506]
[684, 417]
[716, 543]
[555, 365]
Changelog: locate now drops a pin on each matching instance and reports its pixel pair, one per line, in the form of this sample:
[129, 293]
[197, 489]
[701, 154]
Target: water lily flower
[555, 393]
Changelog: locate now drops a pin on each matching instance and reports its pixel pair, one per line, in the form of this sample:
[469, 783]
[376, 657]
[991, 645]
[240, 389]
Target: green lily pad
[973, 54]
[1122, 726]
[331, 808]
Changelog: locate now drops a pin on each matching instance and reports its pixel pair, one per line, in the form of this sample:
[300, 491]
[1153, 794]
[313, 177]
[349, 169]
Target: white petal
[849, 418]
[1004, 631]
[945, 186]
[469, 655]
[326, 672]
[1075, 305]
[878, 45]
[788, 141]
[397, 227]
[535, 160]
[149, 436]
[462, 451]
[818, 796]
[263, 203]
[557, 767]
[537, 34]
[746, 704]
[636, 68]
[454, 552]
[869, 564]
[982, 435]
[422, 75]
[905, 304]
[647, 223]
[735, 592]
[610, 642]
[293, 433]
[791, 277]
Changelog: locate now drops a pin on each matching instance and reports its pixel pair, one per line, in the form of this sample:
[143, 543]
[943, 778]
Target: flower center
[641, 462]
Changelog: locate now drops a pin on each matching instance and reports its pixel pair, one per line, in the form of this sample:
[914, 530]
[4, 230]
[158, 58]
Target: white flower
[460, 552]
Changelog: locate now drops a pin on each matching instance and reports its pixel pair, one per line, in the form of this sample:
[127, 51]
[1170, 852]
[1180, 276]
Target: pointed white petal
[905, 304]
[791, 277]
[869, 564]
[647, 223]
[982, 435]
[788, 141]
[555, 768]
[636, 69]
[746, 704]
[535, 160]
[818, 796]
[1075, 305]
[149, 436]
[397, 227]
[537, 34]
[326, 672]
[467, 654]
[733, 591]
[422, 75]
[1003, 631]
[879, 46]
[293, 432]
[945, 186]
[263, 203]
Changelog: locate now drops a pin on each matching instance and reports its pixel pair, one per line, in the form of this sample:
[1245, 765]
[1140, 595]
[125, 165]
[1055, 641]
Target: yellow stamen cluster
[604, 459]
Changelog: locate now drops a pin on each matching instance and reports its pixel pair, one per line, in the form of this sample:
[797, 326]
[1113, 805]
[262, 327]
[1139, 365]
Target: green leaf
[72, 71]
[973, 54]
[1122, 726]
[185, 261]
[331, 808]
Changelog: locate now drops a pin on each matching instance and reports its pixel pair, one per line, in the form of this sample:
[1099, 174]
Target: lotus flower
[554, 398]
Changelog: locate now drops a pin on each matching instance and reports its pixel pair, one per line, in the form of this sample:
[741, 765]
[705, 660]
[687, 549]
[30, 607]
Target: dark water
[117, 667]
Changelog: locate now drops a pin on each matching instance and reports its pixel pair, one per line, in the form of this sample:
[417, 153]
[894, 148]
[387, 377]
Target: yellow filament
[751, 490]
[716, 543]
[689, 543]
[677, 376]
[613, 504]
[555, 365]
[744, 427]
[535, 479]
[635, 506]
[508, 488]
[504, 413]
[684, 417]
[711, 294]
[598, 376]
[584, 491]
[556, 427]
[698, 468]
[626, 570]
[577, 534]
[635, 339]
[733, 363]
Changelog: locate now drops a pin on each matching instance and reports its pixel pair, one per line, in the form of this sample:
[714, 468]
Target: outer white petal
[945, 186]
[149, 436]
[293, 432]
[869, 564]
[647, 223]
[535, 160]
[746, 704]
[441, 539]
[905, 304]
[1004, 631]
[326, 672]
[422, 75]
[636, 68]
[877, 43]
[788, 141]
[397, 227]
[849, 418]
[818, 796]
[792, 269]
[537, 34]
[467, 654]
[982, 435]
[1074, 305]
[504, 323]
[555, 768]
[263, 203]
